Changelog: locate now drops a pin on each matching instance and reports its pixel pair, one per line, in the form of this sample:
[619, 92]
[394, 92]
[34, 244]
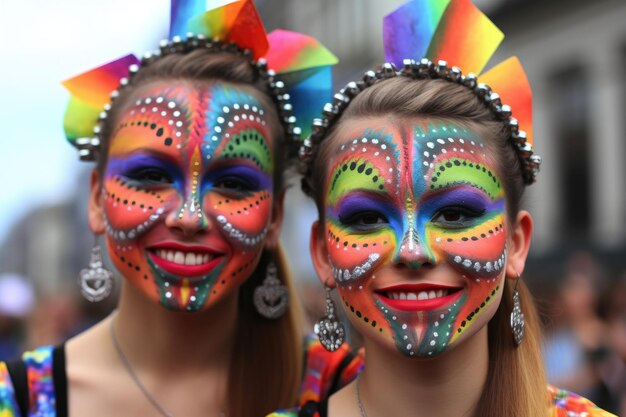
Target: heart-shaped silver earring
[271, 299]
[329, 329]
[96, 282]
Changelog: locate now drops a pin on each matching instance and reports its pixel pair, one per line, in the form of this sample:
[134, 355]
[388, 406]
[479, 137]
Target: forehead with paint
[188, 190]
[415, 229]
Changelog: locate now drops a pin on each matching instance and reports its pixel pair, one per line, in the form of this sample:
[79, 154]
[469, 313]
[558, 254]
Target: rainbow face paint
[188, 191]
[416, 233]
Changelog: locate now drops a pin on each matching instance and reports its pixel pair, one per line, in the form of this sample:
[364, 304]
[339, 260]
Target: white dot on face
[236, 118]
[148, 100]
[192, 298]
[246, 106]
[168, 294]
[217, 129]
[155, 109]
[383, 146]
[430, 145]
[404, 326]
[432, 343]
[171, 104]
[163, 113]
[409, 346]
[176, 113]
[236, 106]
[159, 100]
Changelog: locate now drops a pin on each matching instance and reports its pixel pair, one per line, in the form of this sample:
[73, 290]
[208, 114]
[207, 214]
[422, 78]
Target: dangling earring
[329, 329]
[517, 317]
[271, 299]
[96, 282]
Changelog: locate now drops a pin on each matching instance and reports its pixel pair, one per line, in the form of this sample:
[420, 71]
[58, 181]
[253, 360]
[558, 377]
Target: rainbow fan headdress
[296, 66]
[436, 39]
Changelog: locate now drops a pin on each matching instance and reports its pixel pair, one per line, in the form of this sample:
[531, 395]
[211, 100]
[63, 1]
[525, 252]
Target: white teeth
[402, 296]
[411, 296]
[423, 295]
[179, 258]
[189, 258]
[432, 294]
[439, 293]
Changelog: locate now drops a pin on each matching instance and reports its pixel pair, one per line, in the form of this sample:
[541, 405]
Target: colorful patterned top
[37, 385]
[29, 390]
[563, 404]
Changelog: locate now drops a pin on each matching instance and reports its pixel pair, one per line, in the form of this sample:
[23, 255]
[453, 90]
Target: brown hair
[266, 366]
[516, 383]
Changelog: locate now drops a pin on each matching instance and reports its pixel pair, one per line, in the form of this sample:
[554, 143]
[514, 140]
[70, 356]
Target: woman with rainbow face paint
[417, 174]
[191, 149]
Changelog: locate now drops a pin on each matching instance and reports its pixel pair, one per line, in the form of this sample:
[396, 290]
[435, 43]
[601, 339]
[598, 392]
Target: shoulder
[327, 372]
[8, 401]
[567, 404]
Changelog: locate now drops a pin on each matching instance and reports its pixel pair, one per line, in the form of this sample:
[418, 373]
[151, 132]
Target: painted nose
[411, 252]
[190, 217]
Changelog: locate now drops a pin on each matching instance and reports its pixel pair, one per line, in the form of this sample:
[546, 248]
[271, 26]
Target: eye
[364, 220]
[150, 176]
[456, 216]
[234, 184]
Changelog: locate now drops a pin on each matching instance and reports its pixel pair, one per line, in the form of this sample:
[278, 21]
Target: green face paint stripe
[201, 294]
[250, 144]
[457, 171]
[352, 175]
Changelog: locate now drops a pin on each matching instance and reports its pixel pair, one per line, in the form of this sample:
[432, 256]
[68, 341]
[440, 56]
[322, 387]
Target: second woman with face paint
[418, 171]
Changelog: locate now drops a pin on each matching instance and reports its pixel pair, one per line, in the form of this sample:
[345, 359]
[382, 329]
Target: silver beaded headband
[89, 146]
[424, 69]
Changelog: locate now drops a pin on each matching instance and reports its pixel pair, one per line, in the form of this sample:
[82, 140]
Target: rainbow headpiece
[296, 66]
[433, 39]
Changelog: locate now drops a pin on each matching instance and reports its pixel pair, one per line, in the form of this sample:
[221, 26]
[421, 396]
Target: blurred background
[574, 53]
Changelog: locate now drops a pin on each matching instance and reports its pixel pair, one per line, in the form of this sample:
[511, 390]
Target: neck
[449, 385]
[175, 342]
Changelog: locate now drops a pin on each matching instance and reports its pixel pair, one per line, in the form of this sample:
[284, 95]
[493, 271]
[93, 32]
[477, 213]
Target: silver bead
[369, 78]
[388, 70]
[455, 74]
[470, 81]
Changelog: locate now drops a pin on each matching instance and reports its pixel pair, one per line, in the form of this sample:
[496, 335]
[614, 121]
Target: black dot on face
[145, 277]
[159, 132]
[373, 323]
[153, 126]
[366, 319]
[145, 124]
[137, 268]
[358, 314]
[368, 171]
[361, 168]
[352, 309]
[344, 167]
[352, 166]
[463, 323]
[167, 141]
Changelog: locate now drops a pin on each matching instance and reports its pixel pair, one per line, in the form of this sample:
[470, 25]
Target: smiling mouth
[186, 263]
[421, 295]
[407, 298]
[184, 258]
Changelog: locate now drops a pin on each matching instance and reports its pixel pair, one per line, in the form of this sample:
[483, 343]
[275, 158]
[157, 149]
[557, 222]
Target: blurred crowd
[584, 317]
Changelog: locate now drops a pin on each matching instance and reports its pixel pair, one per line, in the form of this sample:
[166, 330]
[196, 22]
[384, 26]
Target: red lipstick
[185, 260]
[419, 297]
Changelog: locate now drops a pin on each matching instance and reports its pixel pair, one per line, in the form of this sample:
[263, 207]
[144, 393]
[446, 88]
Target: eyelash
[465, 215]
[150, 176]
[234, 184]
[357, 220]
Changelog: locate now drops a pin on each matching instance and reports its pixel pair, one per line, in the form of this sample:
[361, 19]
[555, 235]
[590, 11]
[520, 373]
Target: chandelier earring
[517, 316]
[96, 282]
[271, 299]
[329, 329]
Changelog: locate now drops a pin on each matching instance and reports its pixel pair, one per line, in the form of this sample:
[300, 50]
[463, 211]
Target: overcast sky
[43, 43]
